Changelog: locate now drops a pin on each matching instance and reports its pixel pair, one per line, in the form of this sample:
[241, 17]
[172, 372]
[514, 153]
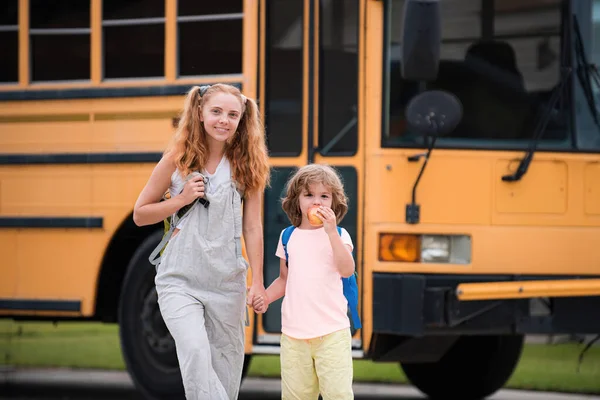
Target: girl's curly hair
[246, 150]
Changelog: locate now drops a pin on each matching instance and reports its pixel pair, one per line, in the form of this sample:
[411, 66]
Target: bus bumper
[432, 304]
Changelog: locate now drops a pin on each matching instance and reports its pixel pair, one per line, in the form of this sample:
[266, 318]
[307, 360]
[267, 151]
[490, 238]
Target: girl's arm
[342, 255]
[253, 238]
[149, 209]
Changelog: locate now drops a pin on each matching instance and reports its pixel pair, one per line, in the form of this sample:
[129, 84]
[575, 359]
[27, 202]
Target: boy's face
[316, 195]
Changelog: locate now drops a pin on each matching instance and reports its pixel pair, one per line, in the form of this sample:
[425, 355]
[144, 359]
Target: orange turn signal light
[399, 247]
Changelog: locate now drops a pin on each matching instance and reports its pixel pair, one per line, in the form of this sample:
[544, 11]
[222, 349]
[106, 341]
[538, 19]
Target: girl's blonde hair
[310, 174]
[246, 150]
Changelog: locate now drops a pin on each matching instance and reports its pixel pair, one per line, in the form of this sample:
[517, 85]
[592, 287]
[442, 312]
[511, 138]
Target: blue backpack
[349, 284]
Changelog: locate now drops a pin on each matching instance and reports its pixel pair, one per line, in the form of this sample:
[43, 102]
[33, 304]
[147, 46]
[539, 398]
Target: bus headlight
[440, 249]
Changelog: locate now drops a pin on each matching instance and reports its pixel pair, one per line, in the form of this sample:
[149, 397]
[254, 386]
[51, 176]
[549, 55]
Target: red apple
[313, 217]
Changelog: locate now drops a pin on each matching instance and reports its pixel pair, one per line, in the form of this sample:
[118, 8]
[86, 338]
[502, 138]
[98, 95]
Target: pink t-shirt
[314, 304]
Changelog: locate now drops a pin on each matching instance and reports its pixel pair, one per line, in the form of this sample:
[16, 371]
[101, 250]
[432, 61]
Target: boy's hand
[260, 304]
[329, 219]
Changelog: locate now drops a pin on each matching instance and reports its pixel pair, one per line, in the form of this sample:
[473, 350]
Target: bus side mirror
[434, 112]
[421, 38]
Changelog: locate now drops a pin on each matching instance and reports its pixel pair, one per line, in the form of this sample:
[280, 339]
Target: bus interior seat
[495, 102]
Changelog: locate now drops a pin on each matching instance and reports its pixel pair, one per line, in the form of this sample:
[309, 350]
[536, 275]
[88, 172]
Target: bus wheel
[475, 367]
[147, 346]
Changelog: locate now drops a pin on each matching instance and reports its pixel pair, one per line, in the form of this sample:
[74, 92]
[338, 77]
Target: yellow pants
[320, 365]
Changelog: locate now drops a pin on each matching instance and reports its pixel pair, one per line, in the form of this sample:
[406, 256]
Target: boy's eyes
[325, 196]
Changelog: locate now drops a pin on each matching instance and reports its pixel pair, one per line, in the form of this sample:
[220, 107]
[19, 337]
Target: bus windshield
[501, 59]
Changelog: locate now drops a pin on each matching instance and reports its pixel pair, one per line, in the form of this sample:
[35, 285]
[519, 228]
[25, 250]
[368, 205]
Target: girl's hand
[329, 219]
[193, 189]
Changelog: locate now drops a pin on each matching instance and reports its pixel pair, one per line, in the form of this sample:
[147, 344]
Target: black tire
[147, 346]
[474, 368]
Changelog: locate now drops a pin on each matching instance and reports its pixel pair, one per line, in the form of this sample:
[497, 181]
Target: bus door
[309, 94]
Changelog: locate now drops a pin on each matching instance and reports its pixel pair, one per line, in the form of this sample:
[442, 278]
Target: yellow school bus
[453, 272]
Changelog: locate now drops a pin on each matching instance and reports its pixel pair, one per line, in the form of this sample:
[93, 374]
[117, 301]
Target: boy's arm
[342, 255]
[276, 290]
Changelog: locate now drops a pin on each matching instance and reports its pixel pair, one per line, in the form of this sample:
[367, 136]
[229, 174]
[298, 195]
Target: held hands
[257, 298]
[329, 220]
[193, 189]
[260, 304]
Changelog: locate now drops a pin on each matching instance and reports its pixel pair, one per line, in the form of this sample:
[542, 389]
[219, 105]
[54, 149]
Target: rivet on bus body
[388, 167]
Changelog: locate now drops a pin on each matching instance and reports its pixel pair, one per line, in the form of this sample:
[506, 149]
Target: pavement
[71, 384]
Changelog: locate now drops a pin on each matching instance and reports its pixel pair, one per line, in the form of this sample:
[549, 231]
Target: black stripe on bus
[94, 93]
[79, 158]
[40, 305]
[51, 222]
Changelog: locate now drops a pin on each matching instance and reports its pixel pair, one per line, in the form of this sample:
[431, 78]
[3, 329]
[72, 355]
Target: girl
[316, 348]
[201, 278]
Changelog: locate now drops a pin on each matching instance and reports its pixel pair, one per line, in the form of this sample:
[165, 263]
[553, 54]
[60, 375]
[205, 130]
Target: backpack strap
[155, 255]
[172, 221]
[285, 238]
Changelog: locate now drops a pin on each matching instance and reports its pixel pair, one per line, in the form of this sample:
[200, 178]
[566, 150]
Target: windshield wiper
[565, 74]
[585, 72]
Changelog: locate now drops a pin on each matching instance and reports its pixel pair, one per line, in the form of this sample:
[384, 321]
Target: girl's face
[221, 115]
[316, 195]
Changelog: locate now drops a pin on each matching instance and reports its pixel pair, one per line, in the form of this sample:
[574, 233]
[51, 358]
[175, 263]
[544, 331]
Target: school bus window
[284, 76]
[338, 76]
[502, 65]
[9, 41]
[131, 32]
[59, 34]
[195, 7]
[210, 31]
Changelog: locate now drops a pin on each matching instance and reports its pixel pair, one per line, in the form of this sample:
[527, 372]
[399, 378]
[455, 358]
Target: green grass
[96, 345]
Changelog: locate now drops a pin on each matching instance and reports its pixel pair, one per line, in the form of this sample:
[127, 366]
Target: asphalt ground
[67, 384]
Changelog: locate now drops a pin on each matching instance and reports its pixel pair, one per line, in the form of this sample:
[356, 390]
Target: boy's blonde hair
[307, 175]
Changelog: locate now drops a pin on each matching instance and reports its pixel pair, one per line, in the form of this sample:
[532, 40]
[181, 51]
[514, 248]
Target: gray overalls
[201, 285]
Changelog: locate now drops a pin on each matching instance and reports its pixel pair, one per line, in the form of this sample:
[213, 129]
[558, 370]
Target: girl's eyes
[233, 115]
